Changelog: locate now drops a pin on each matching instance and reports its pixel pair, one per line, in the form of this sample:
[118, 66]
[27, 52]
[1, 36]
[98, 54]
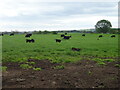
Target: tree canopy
[103, 26]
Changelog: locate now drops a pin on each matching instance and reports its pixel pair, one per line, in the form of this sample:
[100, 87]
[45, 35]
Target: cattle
[100, 36]
[12, 34]
[30, 40]
[65, 33]
[76, 49]
[27, 40]
[67, 37]
[62, 35]
[2, 34]
[58, 40]
[83, 34]
[28, 35]
[113, 36]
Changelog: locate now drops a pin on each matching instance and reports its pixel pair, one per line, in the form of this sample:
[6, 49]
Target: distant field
[14, 48]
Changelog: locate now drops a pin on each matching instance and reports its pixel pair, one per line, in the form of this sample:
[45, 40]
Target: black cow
[100, 36]
[28, 35]
[83, 34]
[62, 35]
[30, 40]
[67, 37]
[58, 40]
[2, 34]
[76, 49]
[12, 34]
[65, 33]
[113, 36]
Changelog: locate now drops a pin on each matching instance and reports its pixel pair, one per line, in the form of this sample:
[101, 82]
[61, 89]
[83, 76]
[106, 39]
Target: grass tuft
[3, 68]
[37, 69]
[25, 66]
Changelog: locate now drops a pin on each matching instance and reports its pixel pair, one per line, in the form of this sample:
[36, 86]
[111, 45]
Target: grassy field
[14, 48]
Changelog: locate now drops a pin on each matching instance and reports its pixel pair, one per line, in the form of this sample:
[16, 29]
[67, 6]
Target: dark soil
[82, 74]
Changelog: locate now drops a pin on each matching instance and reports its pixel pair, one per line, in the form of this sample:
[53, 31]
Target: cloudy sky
[29, 15]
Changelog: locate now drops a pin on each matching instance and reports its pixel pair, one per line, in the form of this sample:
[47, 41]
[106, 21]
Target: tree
[103, 26]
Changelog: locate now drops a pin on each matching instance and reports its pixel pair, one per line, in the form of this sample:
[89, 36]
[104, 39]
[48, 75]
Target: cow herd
[112, 36]
[11, 34]
[63, 36]
[29, 40]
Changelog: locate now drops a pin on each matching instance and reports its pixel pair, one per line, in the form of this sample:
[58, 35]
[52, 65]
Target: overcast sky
[30, 15]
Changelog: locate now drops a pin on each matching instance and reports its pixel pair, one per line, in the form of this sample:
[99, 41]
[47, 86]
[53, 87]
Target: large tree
[103, 26]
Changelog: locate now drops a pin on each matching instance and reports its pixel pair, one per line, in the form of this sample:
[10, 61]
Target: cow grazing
[27, 40]
[28, 35]
[30, 40]
[67, 37]
[62, 35]
[58, 40]
[2, 34]
[12, 34]
[100, 36]
[76, 49]
[113, 36]
[65, 33]
[83, 34]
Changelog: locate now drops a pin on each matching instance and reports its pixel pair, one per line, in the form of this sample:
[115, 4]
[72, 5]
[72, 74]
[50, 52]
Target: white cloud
[34, 14]
[22, 7]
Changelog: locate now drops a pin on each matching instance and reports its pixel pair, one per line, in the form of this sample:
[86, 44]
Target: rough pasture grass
[14, 48]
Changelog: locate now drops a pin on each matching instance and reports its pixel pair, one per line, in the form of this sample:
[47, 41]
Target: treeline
[111, 31]
[56, 32]
[114, 30]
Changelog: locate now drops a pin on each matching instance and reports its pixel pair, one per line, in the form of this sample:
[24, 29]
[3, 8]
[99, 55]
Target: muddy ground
[82, 74]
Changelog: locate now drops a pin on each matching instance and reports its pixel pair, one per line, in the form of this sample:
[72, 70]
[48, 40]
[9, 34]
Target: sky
[30, 15]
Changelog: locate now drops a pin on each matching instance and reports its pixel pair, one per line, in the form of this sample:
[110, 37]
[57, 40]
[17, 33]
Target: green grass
[101, 63]
[25, 66]
[117, 65]
[3, 68]
[31, 63]
[15, 49]
[37, 69]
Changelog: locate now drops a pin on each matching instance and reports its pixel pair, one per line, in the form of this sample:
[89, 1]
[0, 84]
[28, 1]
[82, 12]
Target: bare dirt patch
[82, 74]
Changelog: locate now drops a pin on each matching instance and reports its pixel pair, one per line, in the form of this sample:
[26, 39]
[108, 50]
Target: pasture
[79, 62]
[14, 48]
